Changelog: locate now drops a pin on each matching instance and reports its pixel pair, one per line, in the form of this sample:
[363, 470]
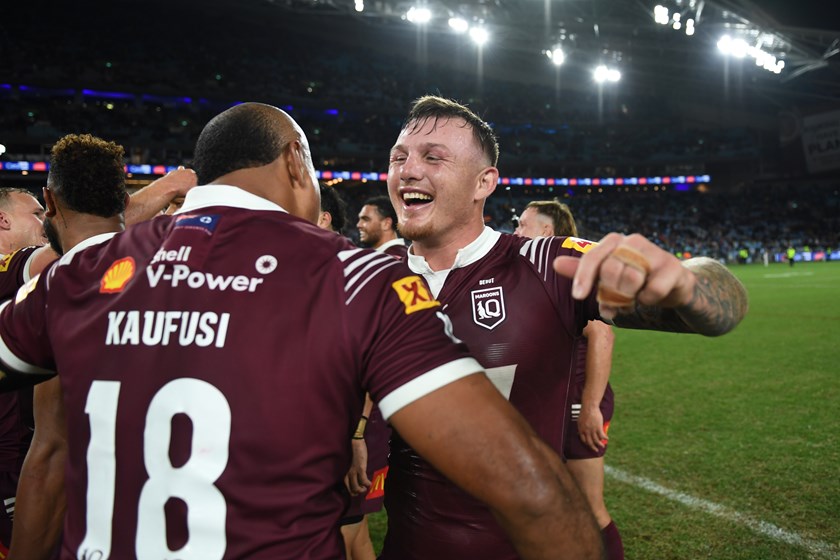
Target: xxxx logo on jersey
[117, 276]
[414, 294]
[6, 261]
[579, 245]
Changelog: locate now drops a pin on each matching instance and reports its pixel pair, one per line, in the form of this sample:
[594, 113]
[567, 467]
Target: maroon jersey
[395, 248]
[213, 365]
[519, 319]
[16, 422]
[16, 417]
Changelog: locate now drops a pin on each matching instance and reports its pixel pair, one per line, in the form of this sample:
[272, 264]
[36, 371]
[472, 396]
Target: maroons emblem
[488, 307]
[117, 276]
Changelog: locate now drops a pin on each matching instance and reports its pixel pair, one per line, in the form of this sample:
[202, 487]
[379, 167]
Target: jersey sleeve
[14, 271]
[541, 253]
[24, 341]
[406, 340]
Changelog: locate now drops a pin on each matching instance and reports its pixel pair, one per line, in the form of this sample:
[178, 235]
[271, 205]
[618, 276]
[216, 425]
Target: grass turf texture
[748, 421]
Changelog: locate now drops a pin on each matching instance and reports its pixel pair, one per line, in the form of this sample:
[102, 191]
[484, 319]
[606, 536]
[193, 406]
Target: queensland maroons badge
[488, 307]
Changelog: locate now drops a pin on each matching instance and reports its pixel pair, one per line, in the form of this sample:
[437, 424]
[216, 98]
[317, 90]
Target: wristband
[360, 429]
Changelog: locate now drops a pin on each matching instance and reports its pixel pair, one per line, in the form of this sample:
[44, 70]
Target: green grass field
[729, 448]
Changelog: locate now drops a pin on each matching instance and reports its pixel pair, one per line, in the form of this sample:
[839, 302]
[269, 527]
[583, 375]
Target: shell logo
[117, 276]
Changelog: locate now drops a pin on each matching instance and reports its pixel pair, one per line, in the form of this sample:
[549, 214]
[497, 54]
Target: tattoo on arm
[718, 304]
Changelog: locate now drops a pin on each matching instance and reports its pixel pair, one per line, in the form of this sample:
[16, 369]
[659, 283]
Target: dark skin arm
[152, 199]
[40, 503]
[699, 295]
[474, 437]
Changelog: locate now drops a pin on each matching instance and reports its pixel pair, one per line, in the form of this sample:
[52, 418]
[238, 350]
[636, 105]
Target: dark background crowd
[73, 70]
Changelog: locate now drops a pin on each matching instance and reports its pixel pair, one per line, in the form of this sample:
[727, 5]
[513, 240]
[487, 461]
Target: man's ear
[49, 203]
[487, 181]
[4, 221]
[296, 164]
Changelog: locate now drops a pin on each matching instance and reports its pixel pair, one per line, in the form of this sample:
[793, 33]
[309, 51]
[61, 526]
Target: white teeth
[416, 196]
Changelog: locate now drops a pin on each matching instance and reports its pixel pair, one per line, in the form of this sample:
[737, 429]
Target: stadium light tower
[603, 74]
[479, 35]
[556, 55]
[458, 25]
[419, 16]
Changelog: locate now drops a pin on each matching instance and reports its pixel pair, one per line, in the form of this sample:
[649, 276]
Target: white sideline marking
[762, 527]
[788, 274]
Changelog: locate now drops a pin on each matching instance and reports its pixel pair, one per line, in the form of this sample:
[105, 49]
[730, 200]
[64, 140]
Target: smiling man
[521, 320]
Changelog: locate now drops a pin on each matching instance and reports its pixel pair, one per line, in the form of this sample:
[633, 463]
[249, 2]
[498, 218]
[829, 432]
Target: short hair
[87, 174]
[434, 107]
[384, 207]
[242, 137]
[332, 202]
[560, 214]
[6, 192]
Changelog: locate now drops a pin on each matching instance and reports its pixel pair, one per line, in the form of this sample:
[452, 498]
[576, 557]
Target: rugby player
[22, 237]
[591, 401]
[520, 319]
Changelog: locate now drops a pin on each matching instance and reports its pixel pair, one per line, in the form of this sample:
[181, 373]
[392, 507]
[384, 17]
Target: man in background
[591, 401]
[377, 227]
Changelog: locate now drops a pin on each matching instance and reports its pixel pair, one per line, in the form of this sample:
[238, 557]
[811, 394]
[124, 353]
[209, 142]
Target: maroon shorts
[573, 447]
[377, 436]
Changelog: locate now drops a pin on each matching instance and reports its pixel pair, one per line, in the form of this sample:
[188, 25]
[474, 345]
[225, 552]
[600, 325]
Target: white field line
[823, 549]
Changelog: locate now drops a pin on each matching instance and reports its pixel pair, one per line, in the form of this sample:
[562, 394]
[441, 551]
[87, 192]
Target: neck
[78, 227]
[440, 254]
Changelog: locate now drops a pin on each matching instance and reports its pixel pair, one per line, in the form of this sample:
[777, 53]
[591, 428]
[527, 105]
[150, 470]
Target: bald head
[262, 150]
[245, 136]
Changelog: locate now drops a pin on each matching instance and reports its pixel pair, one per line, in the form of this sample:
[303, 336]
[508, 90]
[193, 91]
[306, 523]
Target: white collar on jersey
[84, 244]
[399, 241]
[225, 195]
[465, 256]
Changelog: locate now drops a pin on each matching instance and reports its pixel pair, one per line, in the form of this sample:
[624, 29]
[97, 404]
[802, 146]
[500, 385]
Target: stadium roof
[652, 57]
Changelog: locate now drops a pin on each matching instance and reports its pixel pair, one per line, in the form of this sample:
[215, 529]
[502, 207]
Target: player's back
[223, 378]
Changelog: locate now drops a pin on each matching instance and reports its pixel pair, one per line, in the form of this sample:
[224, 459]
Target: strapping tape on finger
[632, 258]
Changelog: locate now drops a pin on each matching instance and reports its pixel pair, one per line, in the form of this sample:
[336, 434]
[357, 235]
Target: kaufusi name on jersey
[182, 275]
[162, 328]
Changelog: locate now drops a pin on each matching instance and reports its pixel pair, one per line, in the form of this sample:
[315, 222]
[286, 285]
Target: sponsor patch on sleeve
[6, 261]
[413, 293]
[200, 222]
[117, 276]
[579, 245]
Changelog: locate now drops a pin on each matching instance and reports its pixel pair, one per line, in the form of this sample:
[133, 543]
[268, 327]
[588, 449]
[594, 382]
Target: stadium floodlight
[458, 25]
[2, 149]
[360, 5]
[479, 35]
[660, 15]
[556, 56]
[677, 25]
[689, 27]
[724, 44]
[418, 15]
[604, 74]
[739, 48]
